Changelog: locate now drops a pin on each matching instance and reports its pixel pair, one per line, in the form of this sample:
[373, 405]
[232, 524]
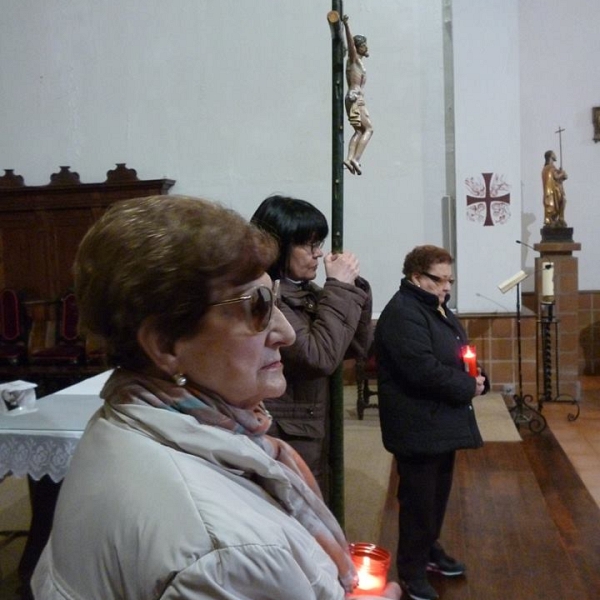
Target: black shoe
[440, 562]
[419, 589]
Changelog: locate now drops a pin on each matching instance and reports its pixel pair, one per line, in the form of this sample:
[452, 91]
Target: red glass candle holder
[372, 564]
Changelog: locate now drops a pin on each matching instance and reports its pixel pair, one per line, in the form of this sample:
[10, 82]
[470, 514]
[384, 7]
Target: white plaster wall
[232, 99]
[560, 83]
[486, 92]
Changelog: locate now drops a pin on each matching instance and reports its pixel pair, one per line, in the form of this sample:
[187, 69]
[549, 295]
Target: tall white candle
[547, 282]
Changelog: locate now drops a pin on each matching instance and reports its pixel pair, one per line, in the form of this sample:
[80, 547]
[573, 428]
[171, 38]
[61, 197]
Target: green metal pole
[336, 439]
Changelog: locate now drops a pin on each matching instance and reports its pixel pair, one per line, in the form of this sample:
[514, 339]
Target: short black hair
[292, 222]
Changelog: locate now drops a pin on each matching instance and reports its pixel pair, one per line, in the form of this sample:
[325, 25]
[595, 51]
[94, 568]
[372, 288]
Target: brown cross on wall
[488, 199]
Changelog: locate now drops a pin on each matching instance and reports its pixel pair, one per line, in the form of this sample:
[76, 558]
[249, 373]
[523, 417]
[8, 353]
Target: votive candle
[470, 359]
[372, 564]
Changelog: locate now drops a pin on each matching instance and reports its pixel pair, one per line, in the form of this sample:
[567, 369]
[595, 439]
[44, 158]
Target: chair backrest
[68, 330]
[12, 318]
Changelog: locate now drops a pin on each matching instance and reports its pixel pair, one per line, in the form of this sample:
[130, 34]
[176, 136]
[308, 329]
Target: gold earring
[180, 379]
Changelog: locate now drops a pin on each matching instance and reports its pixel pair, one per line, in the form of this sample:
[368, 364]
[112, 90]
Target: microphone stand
[522, 411]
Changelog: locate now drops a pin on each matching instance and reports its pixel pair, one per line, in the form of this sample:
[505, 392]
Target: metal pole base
[523, 413]
[563, 399]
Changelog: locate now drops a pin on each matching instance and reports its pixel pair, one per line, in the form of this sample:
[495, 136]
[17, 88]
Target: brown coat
[331, 323]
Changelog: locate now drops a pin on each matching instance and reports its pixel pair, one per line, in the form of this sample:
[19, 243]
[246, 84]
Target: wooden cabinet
[41, 226]
[40, 230]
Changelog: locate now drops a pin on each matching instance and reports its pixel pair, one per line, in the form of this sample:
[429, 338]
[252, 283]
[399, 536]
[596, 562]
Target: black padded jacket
[425, 394]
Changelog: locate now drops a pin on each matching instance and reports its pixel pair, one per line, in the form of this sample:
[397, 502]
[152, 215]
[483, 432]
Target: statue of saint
[554, 194]
[356, 109]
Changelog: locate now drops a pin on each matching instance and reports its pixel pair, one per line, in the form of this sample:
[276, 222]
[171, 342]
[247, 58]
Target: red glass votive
[372, 564]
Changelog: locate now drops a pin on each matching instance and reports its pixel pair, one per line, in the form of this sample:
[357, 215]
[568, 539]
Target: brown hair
[165, 258]
[421, 258]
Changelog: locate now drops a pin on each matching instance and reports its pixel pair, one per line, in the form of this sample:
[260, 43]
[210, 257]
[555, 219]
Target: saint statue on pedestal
[554, 194]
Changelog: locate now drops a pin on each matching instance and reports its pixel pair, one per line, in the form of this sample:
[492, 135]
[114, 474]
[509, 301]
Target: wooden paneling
[41, 226]
[40, 230]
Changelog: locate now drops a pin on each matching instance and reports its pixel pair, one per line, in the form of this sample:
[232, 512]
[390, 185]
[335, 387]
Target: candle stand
[547, 325]
[522, 411]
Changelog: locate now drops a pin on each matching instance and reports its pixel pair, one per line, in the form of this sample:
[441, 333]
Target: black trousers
[423, 492]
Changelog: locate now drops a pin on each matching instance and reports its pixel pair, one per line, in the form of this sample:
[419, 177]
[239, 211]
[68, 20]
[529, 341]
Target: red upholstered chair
[366, 370]
[13, 328]
[69, 348]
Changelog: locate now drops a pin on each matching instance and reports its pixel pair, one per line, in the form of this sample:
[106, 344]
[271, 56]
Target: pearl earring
[180, 379]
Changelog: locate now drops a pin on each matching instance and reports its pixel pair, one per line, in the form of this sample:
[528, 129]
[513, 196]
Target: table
[40, 445]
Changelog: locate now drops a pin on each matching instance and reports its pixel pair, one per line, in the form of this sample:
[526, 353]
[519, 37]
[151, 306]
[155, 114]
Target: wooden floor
[521, 518]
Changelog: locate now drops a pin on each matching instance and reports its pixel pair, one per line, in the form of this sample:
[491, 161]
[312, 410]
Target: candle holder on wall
[548, 325]
[522, 411]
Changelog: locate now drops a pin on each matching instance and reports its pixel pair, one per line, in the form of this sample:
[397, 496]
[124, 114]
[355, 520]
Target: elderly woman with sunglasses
[175, 490]
[426, 410]
[332, 322]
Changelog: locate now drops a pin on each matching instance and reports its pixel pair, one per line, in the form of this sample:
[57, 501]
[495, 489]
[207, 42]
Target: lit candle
[470, 360]
[372, 564]
[547, 282]
[367, 582]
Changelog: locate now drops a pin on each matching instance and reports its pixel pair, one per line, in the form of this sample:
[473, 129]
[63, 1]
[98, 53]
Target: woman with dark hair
[175, 491]
[332, 322]
[425, 408]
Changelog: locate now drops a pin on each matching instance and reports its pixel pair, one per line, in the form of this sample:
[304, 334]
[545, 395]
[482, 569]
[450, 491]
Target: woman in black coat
[426, 410]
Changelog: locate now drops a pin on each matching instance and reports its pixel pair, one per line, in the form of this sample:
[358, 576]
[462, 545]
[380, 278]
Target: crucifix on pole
[336, 436]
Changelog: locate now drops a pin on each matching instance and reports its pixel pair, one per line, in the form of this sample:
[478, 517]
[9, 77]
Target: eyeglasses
[258, 304]
[439, 280]
[313, 247]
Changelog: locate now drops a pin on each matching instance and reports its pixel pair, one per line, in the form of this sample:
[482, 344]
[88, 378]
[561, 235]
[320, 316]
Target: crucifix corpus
[554, 193]
[356, 108]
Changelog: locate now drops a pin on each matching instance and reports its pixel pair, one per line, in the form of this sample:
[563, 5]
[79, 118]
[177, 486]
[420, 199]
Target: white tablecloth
[42, 442]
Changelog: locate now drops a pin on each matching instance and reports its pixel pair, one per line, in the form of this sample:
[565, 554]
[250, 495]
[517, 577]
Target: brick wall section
[496, 341]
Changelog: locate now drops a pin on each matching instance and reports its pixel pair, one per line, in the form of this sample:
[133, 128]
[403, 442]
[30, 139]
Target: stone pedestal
[565, 311]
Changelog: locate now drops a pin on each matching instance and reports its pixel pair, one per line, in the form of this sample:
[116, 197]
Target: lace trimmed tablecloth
[37, 455]
[43, 440]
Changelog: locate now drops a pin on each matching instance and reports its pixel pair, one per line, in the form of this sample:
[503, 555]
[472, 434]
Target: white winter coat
[154, 507]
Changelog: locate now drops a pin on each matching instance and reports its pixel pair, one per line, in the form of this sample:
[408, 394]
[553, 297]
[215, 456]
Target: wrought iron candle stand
[522, 411]
[547, 325]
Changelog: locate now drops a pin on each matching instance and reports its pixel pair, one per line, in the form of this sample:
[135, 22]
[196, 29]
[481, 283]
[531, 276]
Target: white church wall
[560, 83]
[232, 99]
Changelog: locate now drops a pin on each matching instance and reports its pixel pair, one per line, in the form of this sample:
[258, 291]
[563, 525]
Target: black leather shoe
[419, 589]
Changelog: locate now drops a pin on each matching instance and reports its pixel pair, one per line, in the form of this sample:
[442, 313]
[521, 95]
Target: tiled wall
[496, 341]
[495, 337]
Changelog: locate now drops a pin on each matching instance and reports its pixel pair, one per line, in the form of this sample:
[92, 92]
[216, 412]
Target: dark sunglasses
[437, 279]
[258, 303]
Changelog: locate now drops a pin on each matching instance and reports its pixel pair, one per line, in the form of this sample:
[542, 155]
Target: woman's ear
[158, 349]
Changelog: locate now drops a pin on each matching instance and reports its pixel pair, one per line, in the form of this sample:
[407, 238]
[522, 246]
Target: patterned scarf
[298, 494]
